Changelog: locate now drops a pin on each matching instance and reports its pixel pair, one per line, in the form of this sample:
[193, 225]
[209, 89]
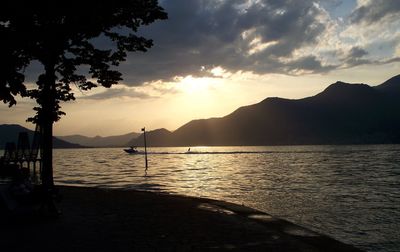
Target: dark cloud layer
[259, 36]
[357, 52]
[355, 57]
[376, 10]
[213, 33]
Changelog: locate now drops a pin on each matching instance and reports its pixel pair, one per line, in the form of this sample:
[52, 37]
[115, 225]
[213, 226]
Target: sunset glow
[208, 67]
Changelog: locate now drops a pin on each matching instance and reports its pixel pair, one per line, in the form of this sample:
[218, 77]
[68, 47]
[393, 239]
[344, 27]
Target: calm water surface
[351, 193]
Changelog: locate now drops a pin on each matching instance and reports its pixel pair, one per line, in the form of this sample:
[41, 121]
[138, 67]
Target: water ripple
[349, 192]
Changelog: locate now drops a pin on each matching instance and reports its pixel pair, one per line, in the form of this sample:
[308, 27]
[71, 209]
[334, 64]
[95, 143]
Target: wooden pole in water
[145, 146]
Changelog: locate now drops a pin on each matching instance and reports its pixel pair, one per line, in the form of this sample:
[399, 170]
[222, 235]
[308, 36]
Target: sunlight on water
[349, 192]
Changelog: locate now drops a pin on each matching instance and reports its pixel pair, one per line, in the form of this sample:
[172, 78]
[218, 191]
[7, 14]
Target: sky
[213, 56]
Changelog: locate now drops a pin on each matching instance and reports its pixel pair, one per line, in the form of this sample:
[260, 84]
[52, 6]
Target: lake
[351, 193]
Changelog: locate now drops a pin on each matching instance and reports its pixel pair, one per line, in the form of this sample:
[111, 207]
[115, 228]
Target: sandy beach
[116, 220]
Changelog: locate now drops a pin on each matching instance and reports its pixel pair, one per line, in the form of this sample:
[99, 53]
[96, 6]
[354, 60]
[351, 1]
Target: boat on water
[131, 150]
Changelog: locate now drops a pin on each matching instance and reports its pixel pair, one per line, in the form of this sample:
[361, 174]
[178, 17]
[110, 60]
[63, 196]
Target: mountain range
[341, 114]
[9, 133]
[98, 141]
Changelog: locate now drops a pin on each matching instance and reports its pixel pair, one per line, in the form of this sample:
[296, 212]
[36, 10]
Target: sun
[192, 85]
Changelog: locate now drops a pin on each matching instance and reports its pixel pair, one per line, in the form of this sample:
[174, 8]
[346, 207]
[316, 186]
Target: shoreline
[97, 219]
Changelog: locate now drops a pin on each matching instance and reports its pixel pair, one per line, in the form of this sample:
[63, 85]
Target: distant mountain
[9, 133]
[158, 137]
[390, 87]
[342, 114]
[98, 141]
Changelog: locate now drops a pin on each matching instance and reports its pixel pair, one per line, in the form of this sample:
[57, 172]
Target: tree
[64, 37]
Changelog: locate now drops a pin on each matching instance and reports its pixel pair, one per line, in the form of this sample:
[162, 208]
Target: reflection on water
[349, 192]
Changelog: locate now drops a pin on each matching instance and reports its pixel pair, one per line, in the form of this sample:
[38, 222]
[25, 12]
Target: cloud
[259, 37]
[237, 35]
[149, 90]
[374, 11]
[372, 31]
[356, 56]
[120, 92]
[357, 52]
[308, 64]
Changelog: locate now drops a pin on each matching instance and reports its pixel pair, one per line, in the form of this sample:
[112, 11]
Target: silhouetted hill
[342, 114]
[158, 137]
[9, 133]
[390, 87]
[98, 141]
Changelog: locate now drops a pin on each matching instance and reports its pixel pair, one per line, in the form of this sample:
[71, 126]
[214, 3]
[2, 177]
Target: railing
[23, 157]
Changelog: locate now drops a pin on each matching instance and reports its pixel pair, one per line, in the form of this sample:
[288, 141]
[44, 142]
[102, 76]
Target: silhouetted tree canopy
[67, 37]
[61, 36]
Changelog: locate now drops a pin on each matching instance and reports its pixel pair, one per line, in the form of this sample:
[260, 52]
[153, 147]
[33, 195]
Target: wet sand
[117, 220]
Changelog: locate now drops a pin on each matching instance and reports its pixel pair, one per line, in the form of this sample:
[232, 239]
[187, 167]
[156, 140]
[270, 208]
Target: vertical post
[145, 146]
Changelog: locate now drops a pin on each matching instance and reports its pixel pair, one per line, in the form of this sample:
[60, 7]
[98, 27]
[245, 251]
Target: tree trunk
[47, 154]
[46, 122]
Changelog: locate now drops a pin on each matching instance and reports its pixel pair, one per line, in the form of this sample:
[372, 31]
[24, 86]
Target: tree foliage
[61, 35]
[66, 37]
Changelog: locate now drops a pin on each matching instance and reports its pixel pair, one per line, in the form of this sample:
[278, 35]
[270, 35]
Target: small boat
[131, 150]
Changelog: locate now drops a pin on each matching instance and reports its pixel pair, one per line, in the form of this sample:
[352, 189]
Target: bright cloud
[262, 37]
